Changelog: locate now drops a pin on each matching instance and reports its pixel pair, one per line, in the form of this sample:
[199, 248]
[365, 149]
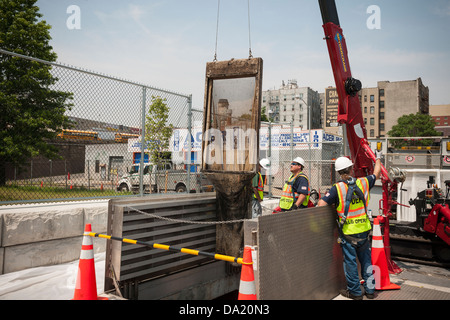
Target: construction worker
[351, 197]
[296, 190]
[258, 188]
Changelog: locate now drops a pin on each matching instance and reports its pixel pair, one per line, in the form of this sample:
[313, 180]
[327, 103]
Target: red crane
[350, 116]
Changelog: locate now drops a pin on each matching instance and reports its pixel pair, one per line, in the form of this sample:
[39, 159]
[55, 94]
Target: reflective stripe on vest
[357, 219]
[260, 187]
[287, 200]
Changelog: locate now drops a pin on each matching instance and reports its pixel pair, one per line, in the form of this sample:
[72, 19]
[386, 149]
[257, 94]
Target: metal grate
[138, 263]
[298, 255]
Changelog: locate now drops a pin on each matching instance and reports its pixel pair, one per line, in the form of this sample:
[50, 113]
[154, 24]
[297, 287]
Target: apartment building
[382, 105]
[293, 104]
[441, 115]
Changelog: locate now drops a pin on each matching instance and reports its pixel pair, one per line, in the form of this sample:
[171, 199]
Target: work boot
[348, 294]
[370, 295]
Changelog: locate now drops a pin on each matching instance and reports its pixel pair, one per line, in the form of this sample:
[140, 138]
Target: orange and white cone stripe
[87, 247]
[377, 237]
[247, 288]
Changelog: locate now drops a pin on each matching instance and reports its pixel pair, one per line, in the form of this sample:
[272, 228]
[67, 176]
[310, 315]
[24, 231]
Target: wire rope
[217, 29]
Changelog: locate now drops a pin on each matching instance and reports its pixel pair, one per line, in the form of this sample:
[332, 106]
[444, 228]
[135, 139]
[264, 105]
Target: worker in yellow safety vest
[258, 188]
[351, 198]
[296, 190]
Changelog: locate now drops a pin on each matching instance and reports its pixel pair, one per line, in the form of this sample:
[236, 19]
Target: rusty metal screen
[298, 256]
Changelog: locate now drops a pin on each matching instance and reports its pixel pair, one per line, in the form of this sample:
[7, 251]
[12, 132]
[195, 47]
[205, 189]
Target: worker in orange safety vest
[258, 188]
[296, 190]
[351, 198]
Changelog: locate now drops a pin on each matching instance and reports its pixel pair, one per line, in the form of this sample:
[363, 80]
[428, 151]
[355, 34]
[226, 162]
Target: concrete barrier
[47, 234]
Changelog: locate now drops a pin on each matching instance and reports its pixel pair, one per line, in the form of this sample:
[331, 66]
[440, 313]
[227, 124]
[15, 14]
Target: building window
[365, 98]
[372, 133]
[365, 109]
[381, 92]
[365, 121]
[381, 104]
[372, 109]
[372, 98]
[372, 121]
[381, 126]
[381, 115]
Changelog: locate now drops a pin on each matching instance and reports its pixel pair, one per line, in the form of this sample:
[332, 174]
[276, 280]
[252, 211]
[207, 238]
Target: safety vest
[357, 220]
[287, 196]
[260, 187]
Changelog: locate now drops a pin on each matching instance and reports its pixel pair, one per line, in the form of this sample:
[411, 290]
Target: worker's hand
[378, 154]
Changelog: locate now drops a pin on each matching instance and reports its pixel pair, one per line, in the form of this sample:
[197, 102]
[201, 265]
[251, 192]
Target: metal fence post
[270, 157]
[292, 140]
[141, 164]
[189, 155]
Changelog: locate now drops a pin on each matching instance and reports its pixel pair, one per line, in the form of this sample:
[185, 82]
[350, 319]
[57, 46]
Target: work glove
[378, 154]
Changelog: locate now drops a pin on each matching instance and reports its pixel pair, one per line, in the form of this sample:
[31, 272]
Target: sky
[167, 43]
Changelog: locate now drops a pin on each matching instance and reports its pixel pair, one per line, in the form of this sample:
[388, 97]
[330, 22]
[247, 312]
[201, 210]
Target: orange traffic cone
[247, 288]
[379, 261]
[86, 286]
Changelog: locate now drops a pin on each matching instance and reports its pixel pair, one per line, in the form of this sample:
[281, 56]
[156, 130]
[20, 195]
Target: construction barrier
[247, 288]
[169, 248]
[86, 285]
[379, 261]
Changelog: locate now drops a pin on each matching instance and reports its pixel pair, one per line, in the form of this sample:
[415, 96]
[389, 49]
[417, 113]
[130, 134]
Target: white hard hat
[265, 163]
[342, 163]
[299, 160]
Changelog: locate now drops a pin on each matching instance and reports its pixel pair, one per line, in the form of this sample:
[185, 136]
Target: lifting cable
[249, 38]
[217, 29]
[249, 33]
[169, 248]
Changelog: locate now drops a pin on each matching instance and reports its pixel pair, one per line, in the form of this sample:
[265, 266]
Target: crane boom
[349, 108]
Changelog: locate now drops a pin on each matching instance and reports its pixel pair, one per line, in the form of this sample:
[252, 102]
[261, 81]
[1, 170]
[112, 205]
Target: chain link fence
[284, 142]
[414, 152]
[100, 154]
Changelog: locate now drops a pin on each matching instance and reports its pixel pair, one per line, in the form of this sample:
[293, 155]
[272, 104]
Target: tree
[263, 115]
[157, 131]
[414, 125]
[31, 112]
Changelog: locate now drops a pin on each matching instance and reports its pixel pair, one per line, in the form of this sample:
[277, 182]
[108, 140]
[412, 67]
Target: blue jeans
[362, 251]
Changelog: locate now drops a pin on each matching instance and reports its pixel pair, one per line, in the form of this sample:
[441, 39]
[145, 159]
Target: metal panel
[137, 263]
[416, 292]
[298, 255]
